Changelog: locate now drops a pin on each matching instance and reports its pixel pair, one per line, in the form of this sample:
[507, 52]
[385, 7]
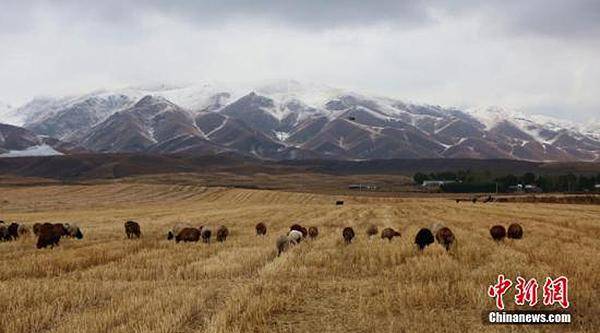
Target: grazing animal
[424, 238]
[339, 203]
[313, 232]
[50, 234]
[222, 233]
[176, 229]
[299, 228]
[295, 236]
[36, 228]
[445, 237]
[515, 231]
[389, 233]
[206, 233]
[457, 200]
[348, 234]
[372, 230]
[23, 230]
[474, 200]
[12, 232]
[132, 229]
[73, 231]
[3, 232]
[282, 244]
[261, 229]
[188, 235]
[286, 241]
[488, 199]
[498, 232]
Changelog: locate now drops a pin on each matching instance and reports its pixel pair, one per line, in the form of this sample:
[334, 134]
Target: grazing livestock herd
[49, 234]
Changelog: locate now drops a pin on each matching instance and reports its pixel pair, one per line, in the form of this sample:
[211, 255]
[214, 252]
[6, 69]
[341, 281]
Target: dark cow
[132, 229]
[188, 235]
[299, 228]
[389, 233]
[515, 231]
[348, 234]
[50, 234]
[339, 203]
[222, 233]
[261, 229]
[423, 238]
[445, 237]
[372, 230]
[313, 232]
[206, 233]
[498, 232]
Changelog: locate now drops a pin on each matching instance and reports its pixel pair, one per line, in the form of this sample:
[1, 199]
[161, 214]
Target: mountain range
[285, 121]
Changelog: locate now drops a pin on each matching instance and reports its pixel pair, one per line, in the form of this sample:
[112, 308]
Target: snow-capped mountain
[16, 142]
[289, 120]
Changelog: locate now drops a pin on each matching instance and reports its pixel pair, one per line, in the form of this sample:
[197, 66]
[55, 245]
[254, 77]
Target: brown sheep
[348, 234]
[299, 228]
[498, 232]
[132, 229]
[445, 237]
[389, 233]
[50, 234]
[36, 228]
[515, 231]
[423, 238]
[188, 235]
[261, 229]
[313, 232]
[206, 233]
[372, 230]
[222, 233]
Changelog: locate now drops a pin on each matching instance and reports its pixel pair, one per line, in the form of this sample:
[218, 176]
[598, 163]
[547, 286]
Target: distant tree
[419, 177]
[528, 178]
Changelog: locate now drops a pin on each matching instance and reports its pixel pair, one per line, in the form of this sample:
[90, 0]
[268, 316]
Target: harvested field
[107, 283]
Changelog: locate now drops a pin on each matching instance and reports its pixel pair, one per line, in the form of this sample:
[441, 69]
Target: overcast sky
[540, 56]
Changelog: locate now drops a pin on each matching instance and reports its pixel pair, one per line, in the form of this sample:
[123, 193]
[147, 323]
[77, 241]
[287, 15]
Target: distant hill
[108, 166]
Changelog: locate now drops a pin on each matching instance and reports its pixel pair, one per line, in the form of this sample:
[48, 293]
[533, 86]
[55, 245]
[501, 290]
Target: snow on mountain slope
[41, 150]
[8, 115]
[278, 119]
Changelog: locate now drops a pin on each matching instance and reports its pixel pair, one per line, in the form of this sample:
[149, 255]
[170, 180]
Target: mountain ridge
[295, 121]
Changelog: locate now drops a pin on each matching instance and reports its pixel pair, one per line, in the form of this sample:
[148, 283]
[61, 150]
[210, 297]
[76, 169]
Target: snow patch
[41, 150]
[282, 136]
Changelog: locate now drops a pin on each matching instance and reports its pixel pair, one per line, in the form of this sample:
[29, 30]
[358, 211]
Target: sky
[535, 56]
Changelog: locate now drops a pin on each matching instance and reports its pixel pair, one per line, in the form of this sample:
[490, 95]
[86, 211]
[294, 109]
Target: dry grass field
[106, 283]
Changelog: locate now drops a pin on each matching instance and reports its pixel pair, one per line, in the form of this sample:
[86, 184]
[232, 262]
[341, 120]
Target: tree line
[469, 181]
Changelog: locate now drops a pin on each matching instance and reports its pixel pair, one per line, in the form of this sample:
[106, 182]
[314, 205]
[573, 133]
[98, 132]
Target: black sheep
[424, 238]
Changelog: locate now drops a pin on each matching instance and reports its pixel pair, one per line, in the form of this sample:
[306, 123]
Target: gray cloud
[540, 55]
[559, 18]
